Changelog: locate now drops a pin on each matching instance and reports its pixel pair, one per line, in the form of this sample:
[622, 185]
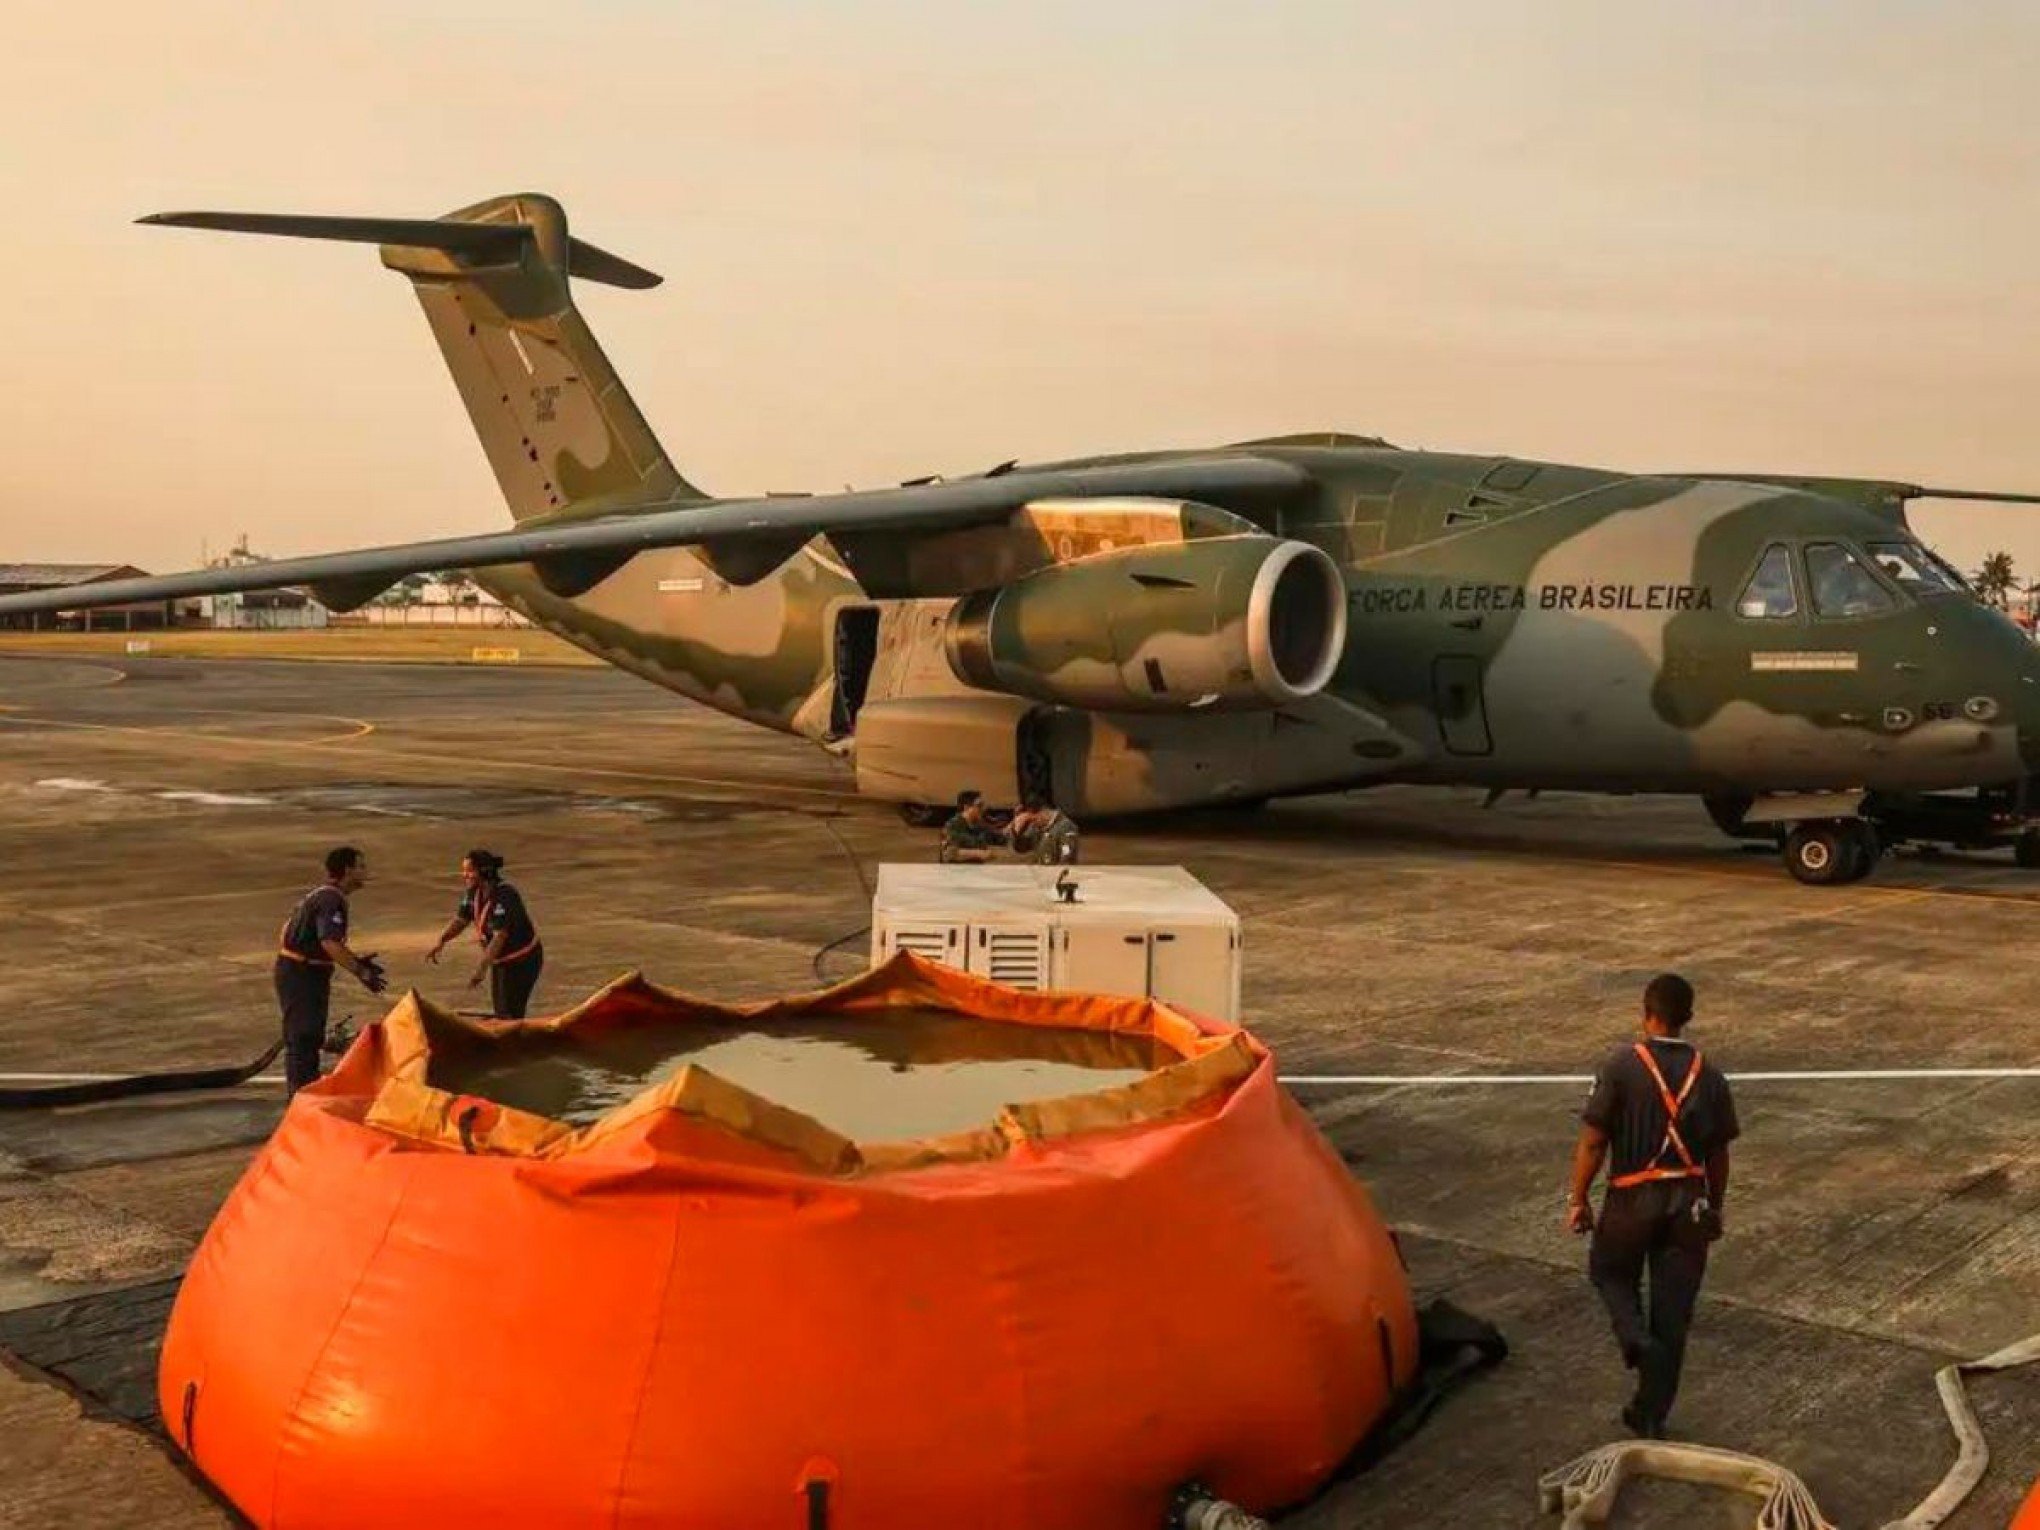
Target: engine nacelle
[1235, 623]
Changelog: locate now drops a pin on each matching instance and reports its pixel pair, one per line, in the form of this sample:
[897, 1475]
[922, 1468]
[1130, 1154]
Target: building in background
[266, 609]
[437, 600]
[258, 609]
[143, 616]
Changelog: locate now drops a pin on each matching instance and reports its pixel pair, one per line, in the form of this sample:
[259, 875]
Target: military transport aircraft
[1302, 614]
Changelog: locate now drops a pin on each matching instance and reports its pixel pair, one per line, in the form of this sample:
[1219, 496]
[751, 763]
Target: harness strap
[518, 955]
[1687, 1167]
[283, 937]
[482, 912]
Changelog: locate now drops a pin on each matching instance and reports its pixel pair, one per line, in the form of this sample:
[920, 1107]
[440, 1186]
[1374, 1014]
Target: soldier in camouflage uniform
[1044, 833]
[967, 837]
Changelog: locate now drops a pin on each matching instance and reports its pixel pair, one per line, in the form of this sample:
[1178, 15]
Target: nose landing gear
[1827, 852]
[1834, 837]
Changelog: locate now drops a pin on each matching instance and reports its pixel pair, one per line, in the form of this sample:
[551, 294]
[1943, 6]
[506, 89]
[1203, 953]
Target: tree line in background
[410, 590]
[1995, 581]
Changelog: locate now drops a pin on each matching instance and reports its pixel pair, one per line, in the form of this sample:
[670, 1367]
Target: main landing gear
[1828, 838]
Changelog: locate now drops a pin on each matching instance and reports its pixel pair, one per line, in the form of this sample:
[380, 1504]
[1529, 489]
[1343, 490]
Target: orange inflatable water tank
[2029, 1517]
[704, 1308]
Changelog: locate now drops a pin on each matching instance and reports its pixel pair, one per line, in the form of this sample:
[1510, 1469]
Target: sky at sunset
[903, 237]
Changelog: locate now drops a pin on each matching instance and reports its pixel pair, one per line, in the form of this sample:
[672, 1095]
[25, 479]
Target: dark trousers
[303, 994]
[510, 984]
[1650, 1227]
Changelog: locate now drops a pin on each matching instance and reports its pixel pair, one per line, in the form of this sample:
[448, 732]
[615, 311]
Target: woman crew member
[512, 957]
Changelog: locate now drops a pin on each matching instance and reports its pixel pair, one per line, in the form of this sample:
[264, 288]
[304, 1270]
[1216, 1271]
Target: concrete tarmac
[159, 817]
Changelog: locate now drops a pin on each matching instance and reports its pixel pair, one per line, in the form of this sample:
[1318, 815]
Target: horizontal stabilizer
[478, 243]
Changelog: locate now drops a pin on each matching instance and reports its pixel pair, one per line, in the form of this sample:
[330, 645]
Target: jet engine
[1235, 623]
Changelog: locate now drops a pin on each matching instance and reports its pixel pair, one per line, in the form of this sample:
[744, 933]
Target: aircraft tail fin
[560, 430]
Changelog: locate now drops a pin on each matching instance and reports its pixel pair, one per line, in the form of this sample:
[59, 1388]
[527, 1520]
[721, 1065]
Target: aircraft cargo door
[856, 653]
[1462, 714]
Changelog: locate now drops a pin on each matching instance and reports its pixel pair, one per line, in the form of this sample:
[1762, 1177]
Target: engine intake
[1237, 623]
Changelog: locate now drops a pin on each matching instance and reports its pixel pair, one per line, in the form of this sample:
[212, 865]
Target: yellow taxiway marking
[117, 675]
[357, 727]
[1885, 897]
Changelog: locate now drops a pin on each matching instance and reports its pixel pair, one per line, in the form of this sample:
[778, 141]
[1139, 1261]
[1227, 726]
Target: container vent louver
[1017, 958]
[930, 942]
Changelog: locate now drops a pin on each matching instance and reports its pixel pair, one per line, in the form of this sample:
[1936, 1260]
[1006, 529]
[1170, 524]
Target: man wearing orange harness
[1661, 1116]
[312, 942]
[511, 957]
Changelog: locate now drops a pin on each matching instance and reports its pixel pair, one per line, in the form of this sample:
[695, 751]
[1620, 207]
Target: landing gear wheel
[1866, 848]
[1820, 854]
[2026, 849]
[922, 815]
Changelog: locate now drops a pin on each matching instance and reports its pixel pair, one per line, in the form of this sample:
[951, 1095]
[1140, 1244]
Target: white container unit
[1143, 931]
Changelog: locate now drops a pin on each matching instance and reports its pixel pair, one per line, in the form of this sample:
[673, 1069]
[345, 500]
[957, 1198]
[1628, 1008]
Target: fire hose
[1585, 1490]
[100, 1090]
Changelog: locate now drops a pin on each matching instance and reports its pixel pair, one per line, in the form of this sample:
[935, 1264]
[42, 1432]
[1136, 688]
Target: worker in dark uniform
[512, 957]
[311, 944]
[1044, 832]
[968, 836]
[1661, 1116]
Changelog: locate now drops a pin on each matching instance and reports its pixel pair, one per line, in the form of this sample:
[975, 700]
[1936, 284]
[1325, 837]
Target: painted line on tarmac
[75, 662]
[1850, 897]
[1350, 1079]
[358, 727]
[453, 761]
[1818, 1075]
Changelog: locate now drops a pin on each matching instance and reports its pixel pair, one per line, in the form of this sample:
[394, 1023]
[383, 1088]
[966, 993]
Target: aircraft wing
[743, 539]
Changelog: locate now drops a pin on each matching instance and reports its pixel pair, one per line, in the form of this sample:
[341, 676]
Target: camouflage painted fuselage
[1509, 624]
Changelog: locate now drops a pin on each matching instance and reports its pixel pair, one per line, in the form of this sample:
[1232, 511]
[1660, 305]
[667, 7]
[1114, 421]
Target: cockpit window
[1949, 570]
[1769, 592]
[1913, 569]
[1842, 585]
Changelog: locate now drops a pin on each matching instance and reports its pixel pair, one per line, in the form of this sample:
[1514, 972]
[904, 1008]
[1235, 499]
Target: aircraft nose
[2021, 701]
[2026, 713]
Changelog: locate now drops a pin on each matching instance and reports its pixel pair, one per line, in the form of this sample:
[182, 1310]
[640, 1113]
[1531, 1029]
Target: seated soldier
[967, 836]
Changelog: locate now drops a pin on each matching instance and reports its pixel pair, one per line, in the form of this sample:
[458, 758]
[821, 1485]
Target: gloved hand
[339, 1037]
[373, 978]
[1707, 1219]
